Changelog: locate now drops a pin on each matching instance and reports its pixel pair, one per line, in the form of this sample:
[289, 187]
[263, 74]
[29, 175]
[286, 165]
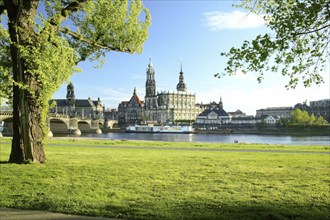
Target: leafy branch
[67, 11]
[81, 38]
[298, 48]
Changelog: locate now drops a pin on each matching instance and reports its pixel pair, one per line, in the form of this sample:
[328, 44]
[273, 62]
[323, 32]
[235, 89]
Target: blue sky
[195, 32]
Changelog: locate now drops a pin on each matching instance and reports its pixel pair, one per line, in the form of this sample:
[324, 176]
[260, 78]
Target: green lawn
[170, 184]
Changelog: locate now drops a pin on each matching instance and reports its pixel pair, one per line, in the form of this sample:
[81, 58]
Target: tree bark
[28, 135]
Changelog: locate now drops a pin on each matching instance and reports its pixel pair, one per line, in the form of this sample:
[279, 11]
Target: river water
[216, 138]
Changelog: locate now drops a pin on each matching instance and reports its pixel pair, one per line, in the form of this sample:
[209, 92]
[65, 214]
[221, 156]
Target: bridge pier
[97, 131]
[50, 134]
[95, 127]
[75, 131]
[73, 127]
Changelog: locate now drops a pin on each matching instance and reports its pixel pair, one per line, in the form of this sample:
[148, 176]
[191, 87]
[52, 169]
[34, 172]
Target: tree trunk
[28, 135]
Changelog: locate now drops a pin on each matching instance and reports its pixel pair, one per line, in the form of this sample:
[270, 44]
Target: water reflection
[217, 138]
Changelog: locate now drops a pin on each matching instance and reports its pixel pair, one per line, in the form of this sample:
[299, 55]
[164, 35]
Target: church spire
[150, 64]
[220, 103]
[181, 67]
[181, 85]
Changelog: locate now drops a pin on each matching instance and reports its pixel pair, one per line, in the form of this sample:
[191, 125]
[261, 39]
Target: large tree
[41, 45]
[297, 45]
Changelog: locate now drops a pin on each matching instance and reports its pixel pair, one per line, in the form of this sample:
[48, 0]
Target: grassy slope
[156, 184]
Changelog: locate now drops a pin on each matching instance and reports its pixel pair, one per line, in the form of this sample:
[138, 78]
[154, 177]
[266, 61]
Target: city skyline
[195, 32]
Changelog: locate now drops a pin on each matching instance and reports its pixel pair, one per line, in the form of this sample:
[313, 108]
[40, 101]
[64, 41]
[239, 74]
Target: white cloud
[218, 20]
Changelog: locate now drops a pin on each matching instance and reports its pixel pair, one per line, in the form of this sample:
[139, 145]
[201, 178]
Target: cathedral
[160, 107]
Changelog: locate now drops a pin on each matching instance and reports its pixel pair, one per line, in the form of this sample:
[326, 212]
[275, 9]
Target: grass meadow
[158, 180]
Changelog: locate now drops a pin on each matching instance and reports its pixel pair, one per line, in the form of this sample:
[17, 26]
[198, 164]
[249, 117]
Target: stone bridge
[5, 114]
[63, 124]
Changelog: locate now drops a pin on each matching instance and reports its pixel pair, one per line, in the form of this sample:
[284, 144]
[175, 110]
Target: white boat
[159, 129]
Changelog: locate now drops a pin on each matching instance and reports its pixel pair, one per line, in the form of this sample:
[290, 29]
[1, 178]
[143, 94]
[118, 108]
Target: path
[18, 214]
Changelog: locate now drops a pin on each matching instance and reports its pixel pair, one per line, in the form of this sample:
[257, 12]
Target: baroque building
[84, 108]
[160, 107]
[169, 106]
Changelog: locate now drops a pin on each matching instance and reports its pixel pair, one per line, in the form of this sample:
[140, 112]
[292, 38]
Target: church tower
[70, 97]
[181, 87]
[220, 103]
[151, 96]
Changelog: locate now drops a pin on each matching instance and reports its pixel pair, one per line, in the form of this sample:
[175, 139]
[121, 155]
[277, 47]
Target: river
[216, 138]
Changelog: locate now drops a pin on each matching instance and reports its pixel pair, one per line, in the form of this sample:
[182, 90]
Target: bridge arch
[101, 124]
[8, 125]
[111, 124]
[58, 126]
[84, 126]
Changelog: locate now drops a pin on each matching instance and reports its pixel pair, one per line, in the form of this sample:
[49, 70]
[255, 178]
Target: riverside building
[321, 108]
[83, 108]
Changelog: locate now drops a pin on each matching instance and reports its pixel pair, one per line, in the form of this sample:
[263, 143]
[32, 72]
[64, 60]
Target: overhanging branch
[313, 31]
[67, 11]
[90, 42]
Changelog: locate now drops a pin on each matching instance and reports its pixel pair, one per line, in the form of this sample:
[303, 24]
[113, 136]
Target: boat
[159, 129]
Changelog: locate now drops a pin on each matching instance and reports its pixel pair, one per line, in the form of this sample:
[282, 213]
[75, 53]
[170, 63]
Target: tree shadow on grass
[196, 211]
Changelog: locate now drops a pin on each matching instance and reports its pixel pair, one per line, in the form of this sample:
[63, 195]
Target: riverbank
[265, 130]
[270, 130]
[85, 177]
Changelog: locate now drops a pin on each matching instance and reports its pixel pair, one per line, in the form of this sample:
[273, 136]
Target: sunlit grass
[169, 184]
[159, 144]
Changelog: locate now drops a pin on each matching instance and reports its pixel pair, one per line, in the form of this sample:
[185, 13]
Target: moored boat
[159, 129]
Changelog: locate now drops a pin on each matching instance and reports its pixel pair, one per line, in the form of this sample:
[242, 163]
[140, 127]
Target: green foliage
[282, 122]
[301, 117]
[53, 51]
[312, 119]
[320, 121]
[44, 54]
[296, 47]
[51, 60]
[108, 25]
[5, 64]
[170, 184]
